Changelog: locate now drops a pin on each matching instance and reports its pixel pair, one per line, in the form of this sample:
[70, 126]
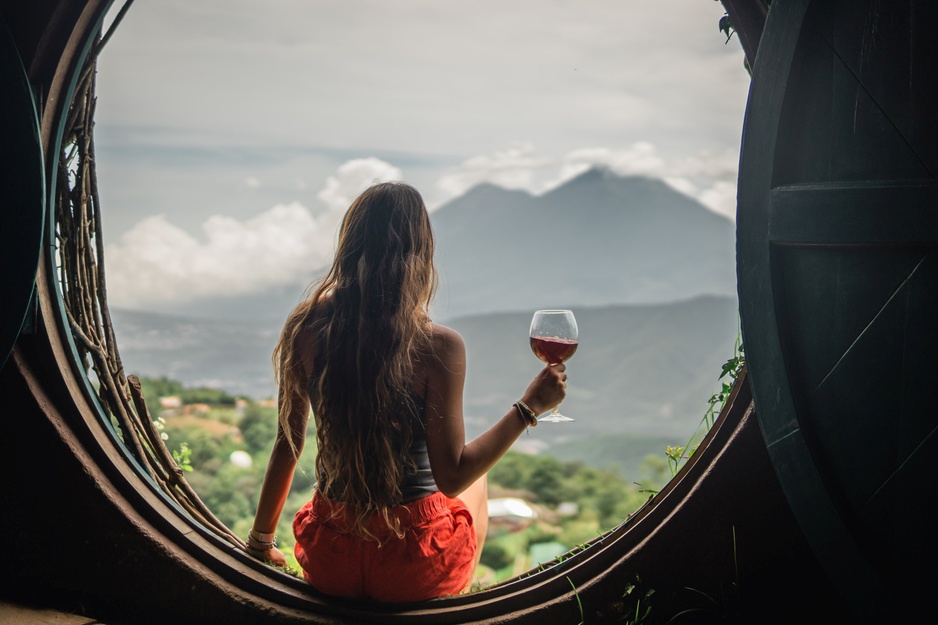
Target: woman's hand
[271, 554]
[547, 389]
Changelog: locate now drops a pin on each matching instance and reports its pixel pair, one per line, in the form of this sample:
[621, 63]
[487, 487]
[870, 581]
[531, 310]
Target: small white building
[170, 402]
[241, 459]
[510, 507]
[568, 508]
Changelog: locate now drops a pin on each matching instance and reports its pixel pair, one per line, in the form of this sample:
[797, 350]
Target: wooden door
[837, 242]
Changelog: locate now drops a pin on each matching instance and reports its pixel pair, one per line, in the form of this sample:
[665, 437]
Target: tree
[258, 428]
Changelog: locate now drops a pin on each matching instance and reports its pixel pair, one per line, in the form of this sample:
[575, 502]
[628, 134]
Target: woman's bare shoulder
[445, 339]
[448, 357]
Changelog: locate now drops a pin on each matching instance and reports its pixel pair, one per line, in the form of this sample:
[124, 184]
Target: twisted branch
[80, 256]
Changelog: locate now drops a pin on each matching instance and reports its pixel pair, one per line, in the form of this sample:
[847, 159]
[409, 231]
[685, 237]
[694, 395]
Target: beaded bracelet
[527, 414]
[265, 540]
[257, 550]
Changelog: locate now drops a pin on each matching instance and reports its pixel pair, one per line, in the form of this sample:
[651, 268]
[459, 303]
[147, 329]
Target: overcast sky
[232, 134]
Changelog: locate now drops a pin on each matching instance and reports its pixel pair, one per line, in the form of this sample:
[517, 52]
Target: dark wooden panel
[22, 194]
[849, 344]
[852, 102]
[837, 239]
[852, 214]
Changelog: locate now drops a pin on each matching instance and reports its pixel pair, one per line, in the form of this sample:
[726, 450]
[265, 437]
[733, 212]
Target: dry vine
[80, 250]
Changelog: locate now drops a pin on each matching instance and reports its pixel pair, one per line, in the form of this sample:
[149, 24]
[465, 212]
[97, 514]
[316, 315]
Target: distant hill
[645, 370]
[234, 356]
[598, 239]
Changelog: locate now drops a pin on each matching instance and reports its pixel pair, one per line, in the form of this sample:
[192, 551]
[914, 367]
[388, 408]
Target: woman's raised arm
[455, 464]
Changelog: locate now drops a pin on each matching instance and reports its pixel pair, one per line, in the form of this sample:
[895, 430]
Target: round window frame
[554, 588]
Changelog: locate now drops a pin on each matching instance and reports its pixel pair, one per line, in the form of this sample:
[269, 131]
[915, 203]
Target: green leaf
[726, 27]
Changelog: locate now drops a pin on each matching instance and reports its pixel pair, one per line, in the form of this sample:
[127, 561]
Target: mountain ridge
[598, 239]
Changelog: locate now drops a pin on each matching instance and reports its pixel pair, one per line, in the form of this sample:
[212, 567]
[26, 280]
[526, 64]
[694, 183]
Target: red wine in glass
[554, 338]
[553, 351]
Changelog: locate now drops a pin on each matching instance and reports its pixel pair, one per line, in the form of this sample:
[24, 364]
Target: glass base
[554, 417]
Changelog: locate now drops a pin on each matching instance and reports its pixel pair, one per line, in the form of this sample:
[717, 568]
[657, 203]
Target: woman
[399, 512]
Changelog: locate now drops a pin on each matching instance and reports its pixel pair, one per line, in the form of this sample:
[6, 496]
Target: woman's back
[399, 488]
[417, 480]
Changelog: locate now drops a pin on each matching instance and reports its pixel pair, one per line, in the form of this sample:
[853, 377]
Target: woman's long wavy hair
[368, 319]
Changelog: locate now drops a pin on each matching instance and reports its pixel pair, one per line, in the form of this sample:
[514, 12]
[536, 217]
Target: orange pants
[435, 557]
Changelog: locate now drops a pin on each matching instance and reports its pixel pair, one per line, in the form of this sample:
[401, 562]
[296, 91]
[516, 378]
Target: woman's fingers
[272, 555]
[547, 389]
[558, 388]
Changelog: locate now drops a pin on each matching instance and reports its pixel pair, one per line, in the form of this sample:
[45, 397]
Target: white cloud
[708, 165]
[158, 261]
[352, 178]
[679, 183]
[643, 159]
[516, 166]
[639, 159]
[721, 198]
[251, 182]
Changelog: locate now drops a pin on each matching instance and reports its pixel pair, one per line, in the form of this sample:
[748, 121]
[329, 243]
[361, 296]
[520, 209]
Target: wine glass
[554, 338]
